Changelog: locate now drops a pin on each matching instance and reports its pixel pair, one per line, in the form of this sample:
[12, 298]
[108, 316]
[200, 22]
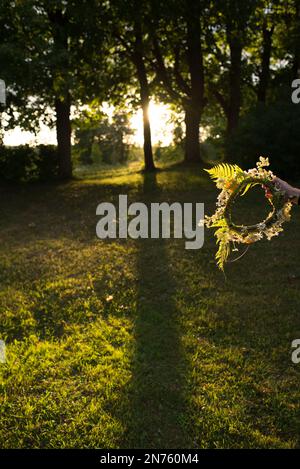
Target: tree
[58, 42]
[110, 134]
[58, 27]
[129, 26]
[268, 66]
[295, 8]
[264, 73]
[229, 35]
[267, 18]
[177, 37]
[290, 35]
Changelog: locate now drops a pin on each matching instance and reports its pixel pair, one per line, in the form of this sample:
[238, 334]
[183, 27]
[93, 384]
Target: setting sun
[161, 127]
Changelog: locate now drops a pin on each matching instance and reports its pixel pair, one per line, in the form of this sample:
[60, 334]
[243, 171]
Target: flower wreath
[235, 182]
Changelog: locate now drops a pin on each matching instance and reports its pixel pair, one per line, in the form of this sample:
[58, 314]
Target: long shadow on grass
[157, 405]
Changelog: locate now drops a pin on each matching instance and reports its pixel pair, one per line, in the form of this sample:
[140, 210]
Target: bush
[212, 151]
[168, 154]
[18, 163]
[26, 164]
[47, 162]
[271, 131]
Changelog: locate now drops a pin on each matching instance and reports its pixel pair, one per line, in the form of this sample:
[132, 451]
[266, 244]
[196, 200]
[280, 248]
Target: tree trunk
[148, 154]
[59, 22]
[138, 58]
[86, 154]
[234, 104]
[1, 128]
[192, 143]
[265, 65]
[296, 40]
[63, 133]
[195, 103]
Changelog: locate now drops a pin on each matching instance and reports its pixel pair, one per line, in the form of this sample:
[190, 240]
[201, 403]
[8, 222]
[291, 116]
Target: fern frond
[219, 223]
[222, 253]
[226, 171]
[224, 247]
[246, 189]
[248, 186]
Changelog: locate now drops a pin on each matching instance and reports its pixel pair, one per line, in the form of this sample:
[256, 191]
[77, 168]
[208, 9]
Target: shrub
[47, 162]
[169, 154]
[26, 164]
[271, 131]
[18, 163]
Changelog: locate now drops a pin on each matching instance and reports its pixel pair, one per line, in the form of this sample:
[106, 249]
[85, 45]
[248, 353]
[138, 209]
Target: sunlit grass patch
[123, 343]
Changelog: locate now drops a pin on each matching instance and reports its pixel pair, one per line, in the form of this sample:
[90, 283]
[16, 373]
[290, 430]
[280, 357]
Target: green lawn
[125, 343]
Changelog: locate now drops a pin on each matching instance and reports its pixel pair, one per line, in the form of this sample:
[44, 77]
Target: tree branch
[220, 98]
[182, 84]
[161, 69]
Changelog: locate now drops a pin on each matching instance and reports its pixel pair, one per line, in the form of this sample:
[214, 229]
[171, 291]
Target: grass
[123, 343]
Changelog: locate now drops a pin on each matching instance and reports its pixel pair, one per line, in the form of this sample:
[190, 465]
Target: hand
[291, 193]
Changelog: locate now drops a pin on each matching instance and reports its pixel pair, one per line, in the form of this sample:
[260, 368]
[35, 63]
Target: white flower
[262, 162]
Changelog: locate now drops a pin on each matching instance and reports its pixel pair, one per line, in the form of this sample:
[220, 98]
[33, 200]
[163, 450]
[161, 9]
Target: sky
[159, 114]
